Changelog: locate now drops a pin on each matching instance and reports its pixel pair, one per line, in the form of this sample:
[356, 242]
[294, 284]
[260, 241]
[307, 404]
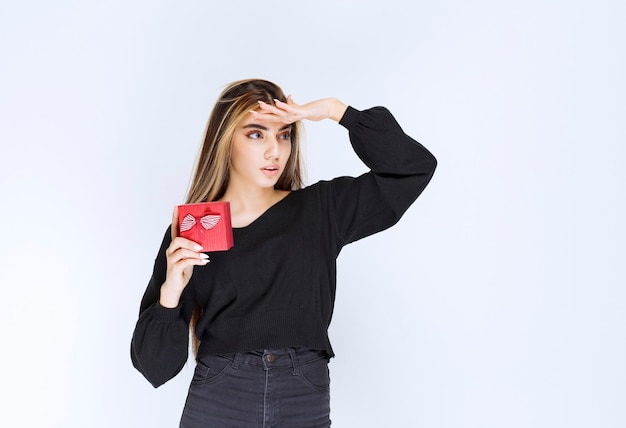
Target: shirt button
[270, 358]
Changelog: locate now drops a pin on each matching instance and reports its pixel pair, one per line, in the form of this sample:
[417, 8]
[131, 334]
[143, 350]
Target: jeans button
[270, 358]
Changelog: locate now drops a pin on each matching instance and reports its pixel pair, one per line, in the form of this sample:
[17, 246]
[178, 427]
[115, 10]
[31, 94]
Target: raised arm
[400, 166]
[400, 170]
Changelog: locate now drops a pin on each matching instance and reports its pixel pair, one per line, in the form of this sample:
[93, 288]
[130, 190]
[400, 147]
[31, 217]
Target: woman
[261, 310]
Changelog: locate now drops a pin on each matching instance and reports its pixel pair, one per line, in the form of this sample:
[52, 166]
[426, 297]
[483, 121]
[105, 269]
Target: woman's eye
[254, 135]
[285, 136]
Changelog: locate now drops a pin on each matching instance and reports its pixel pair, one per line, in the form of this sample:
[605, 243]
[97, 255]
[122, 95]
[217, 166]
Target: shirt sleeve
[160, 342]
[400, 169]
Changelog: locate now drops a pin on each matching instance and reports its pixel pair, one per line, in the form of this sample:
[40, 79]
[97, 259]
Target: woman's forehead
[254, 123]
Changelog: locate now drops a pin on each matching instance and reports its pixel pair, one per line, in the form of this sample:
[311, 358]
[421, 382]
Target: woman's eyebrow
[264, 128]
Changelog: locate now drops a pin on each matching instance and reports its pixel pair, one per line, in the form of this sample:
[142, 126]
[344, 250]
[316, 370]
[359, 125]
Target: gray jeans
[271, 388]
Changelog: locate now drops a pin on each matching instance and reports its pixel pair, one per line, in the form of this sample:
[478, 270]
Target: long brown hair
[212, 168]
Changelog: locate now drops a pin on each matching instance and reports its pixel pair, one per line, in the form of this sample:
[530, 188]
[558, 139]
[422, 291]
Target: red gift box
[208, 224]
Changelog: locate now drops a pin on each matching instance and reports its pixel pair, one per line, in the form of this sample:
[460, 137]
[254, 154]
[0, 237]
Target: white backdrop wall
[497, 301]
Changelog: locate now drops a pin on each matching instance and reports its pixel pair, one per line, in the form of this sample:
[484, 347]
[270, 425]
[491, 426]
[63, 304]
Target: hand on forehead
[282, 112]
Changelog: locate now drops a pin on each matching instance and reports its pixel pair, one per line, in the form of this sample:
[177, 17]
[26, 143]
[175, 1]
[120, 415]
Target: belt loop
[235, 361]
[294, 362]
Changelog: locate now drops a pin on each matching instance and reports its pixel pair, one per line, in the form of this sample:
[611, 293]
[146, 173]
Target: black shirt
[276, 287]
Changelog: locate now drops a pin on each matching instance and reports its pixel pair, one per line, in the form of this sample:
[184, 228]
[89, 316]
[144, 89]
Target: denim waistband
[277, 358]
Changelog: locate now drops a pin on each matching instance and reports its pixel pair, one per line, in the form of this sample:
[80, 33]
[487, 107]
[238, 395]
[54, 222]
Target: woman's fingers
[183, 254]
[180, 242]
[185, 251]
[289, 106]
[279, 112]
[289, 111]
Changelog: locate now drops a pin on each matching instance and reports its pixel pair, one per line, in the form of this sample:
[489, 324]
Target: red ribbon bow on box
[208, 221]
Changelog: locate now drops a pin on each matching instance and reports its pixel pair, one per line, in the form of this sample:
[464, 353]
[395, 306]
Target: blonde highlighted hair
[212, 168]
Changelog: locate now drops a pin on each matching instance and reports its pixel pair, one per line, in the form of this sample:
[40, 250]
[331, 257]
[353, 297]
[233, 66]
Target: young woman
[259, 312]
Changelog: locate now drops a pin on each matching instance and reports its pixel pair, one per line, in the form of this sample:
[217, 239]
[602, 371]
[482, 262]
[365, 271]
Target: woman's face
[260, 152]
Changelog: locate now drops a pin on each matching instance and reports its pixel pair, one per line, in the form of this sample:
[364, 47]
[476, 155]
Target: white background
[497, 301]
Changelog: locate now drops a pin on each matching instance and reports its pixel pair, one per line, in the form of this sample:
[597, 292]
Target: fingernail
[204, 256]
[197, 247]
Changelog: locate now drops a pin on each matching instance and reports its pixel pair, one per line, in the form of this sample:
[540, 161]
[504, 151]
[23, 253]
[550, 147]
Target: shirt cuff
[349, 118]
[166, 314]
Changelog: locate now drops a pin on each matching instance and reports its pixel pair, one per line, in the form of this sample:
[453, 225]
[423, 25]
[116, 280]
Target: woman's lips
[270, 170]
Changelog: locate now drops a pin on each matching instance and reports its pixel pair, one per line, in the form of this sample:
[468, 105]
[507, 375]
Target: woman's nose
[273, 149]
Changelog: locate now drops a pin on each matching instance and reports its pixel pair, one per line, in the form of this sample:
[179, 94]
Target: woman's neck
[246, 205]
